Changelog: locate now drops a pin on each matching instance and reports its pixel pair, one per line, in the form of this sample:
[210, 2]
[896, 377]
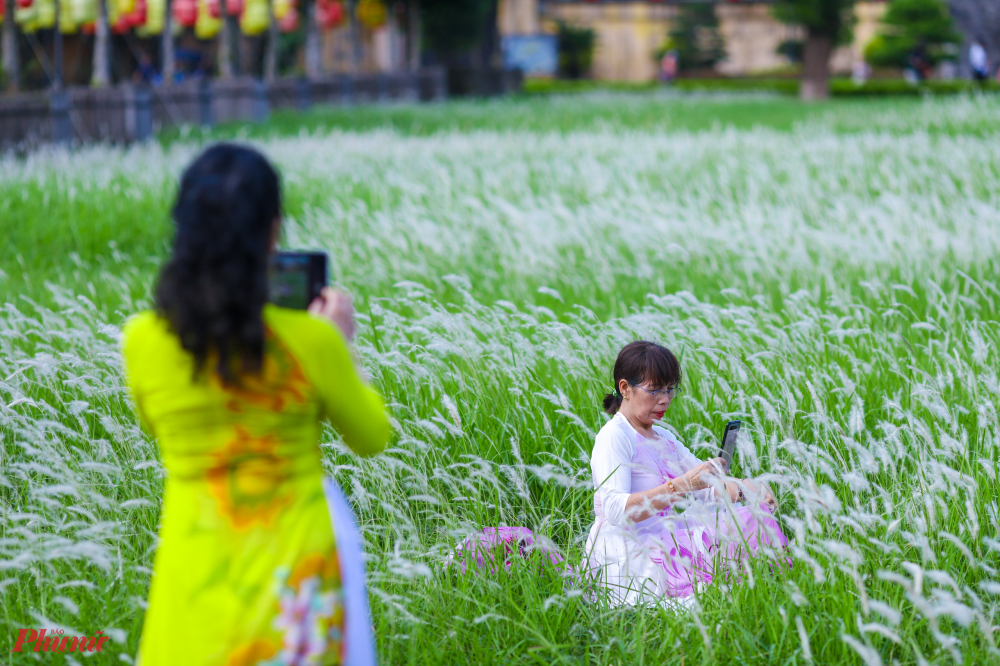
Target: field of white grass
[834, 285]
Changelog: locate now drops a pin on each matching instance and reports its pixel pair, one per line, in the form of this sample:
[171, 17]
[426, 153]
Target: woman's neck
[641, 428]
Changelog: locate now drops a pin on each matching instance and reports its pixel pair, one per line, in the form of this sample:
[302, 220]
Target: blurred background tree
[576, 50]
[695, 37]
[911, 24]
[791, 49]
[827, 23]
[460, 32]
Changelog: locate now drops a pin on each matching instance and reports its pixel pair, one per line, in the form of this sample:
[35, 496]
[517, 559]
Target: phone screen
[296, 278]
[729, 436]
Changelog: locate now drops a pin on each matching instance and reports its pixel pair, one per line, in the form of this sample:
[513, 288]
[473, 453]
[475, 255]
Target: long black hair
[642, 361]
[213, 288]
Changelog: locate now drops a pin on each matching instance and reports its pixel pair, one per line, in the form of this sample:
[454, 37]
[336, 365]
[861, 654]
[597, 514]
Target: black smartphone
[296, 278]
[729, 441]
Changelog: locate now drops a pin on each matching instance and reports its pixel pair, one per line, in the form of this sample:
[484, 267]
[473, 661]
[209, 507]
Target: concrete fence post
[206, 115]
[440, 78]
[413, 86]
[128, 104]
[347, 89]
[261, 108]
[62, 129]
[142, 101]
[303, 94]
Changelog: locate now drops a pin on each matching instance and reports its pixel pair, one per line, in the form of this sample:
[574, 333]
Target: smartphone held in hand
[729, 435]
[295, 279]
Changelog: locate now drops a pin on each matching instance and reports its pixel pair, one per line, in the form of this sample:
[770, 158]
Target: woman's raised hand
[697, 478]
[759, 490]
[337, 307]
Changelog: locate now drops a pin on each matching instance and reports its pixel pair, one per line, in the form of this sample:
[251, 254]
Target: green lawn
[826, 272]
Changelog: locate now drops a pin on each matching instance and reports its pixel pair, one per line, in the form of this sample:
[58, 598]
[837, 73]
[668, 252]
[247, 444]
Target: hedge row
[839, 87]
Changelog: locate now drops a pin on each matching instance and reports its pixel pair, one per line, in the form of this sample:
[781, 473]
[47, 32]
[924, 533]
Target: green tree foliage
[907, 24]
[695, 36]
[453, 27]
[576, 50]
[821, 18]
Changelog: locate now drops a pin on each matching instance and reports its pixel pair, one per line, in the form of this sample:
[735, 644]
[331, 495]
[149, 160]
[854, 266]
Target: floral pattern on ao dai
[668, 554]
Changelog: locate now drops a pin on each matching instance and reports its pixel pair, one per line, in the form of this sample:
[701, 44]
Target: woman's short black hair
[213, 288]
[643, 361]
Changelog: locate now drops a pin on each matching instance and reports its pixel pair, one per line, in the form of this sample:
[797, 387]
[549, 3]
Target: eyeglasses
[672, 391]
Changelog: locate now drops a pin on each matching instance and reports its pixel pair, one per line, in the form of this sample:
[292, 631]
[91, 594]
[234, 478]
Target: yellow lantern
[74, 13]
[206, 26]
[156, 11]
[371, 13]
[83, 11]
[281, 8]
[27, 17]
[45, 18]
[112, 8]
[254, 19]
[67, 25]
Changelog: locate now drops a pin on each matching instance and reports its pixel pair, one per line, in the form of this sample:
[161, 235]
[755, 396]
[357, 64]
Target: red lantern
[138, 15]
[185, 12]
[122, 25]
[329, 13]
[24, 4]
[290, 21]
[234, 7]
[214, 8]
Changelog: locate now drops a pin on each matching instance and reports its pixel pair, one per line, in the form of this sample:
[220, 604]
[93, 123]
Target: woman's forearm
[642, 505]
[645, 504]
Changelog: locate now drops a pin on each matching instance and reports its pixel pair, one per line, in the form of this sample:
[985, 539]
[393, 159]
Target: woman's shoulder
[149, 345]
[144, 328]
[617, 431]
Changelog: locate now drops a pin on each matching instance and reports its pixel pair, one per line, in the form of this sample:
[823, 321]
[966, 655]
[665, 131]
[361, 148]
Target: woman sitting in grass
[640, 548]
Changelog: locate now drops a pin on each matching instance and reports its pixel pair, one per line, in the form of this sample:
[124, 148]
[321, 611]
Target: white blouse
[625, 462]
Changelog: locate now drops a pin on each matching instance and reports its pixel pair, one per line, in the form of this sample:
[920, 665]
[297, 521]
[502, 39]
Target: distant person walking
[919, 62]
[979, 62]
[668, 66]
[258, 560]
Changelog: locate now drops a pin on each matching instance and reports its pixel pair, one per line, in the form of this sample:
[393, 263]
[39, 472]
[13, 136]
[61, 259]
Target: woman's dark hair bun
[639, 362]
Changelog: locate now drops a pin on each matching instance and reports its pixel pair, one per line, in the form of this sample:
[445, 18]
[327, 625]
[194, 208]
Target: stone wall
[752, 36]
[518, 17]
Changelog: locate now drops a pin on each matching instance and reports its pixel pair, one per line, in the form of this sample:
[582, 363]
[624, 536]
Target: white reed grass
[831, 289]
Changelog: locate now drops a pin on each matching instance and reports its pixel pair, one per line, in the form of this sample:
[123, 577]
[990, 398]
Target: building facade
[630, 32]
